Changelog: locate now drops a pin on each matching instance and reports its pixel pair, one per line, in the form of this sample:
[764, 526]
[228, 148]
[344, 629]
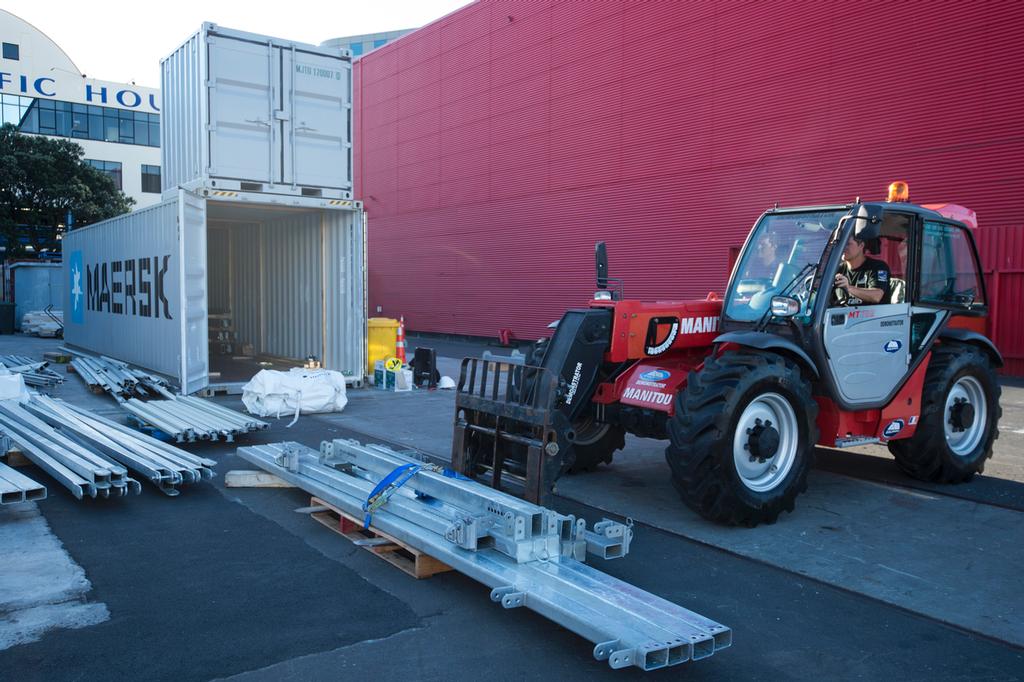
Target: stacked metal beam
[16, 487]
[81, 470]
[34, 372]
[165, 466]
[118, 379]
[184, 418]
[91, 456]
[529, 555]
[189, 419]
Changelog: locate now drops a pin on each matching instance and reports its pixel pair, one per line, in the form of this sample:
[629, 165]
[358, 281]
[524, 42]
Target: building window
[357, 49]
[151, 179]
[11, 51]
[13, 108]
[86, 121]
[111, 168]
[379, 42]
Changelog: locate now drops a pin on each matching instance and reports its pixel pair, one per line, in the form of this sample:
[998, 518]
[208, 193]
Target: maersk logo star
[76, 287]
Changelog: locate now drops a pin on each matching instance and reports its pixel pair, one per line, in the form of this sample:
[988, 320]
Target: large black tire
[709, 459]
[934, 455]
[596, 444]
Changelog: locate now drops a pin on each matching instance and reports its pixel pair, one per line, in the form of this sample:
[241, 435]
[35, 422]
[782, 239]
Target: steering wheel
[803, 292]
[760, 301]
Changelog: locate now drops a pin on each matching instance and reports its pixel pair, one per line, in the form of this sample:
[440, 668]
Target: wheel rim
[757, 475]
[962, 437]
[589, 431]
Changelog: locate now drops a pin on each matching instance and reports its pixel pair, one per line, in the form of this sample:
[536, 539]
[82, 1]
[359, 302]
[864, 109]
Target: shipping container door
[317, 150]
[345, 294]
[195, 367]
[243, 100]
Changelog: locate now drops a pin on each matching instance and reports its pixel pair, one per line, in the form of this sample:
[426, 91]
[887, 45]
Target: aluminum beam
[629, 627]
[16, 487]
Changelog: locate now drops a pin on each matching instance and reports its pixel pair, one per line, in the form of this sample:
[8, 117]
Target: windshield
[782, 248]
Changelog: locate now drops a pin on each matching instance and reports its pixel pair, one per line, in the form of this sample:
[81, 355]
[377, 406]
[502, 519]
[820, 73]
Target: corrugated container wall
[143, 325]
[292, 281]
[496, 145]
[252, 113]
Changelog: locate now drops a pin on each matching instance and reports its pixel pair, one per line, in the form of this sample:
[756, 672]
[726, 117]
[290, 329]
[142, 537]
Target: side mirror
[784, 306]
[601, 259]
[869, 222]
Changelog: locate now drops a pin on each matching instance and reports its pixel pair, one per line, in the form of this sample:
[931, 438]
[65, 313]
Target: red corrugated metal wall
[496, 145]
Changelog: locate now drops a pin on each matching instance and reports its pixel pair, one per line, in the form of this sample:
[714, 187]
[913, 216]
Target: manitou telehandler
[743, 386]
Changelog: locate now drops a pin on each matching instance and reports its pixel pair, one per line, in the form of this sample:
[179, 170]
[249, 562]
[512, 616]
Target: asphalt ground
[220, 583]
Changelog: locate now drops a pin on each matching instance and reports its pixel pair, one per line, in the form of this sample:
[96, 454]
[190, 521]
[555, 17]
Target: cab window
[949, 274]
[891, 248]
[781, 252]
[895, 243]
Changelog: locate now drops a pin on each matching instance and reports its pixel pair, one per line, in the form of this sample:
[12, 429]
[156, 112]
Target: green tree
[41, 179]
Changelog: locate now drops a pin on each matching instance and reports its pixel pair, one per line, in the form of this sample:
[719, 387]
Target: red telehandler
[744, 386]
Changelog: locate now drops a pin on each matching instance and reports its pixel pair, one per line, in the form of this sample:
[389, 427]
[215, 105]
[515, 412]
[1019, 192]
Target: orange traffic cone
[400, 340]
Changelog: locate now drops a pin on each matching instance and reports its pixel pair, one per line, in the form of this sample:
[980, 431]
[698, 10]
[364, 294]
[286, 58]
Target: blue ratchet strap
[386, 488]
[452, 473]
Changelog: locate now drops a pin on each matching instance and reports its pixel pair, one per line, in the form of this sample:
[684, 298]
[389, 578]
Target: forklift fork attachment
[508, 432]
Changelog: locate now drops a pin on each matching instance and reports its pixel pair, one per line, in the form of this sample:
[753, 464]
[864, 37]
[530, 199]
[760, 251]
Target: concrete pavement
[222, 583]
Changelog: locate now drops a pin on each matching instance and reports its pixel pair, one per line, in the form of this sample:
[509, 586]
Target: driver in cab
[860, 280]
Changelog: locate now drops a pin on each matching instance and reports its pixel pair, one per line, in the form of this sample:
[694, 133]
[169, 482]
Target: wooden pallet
[15, 458]
[395, 552]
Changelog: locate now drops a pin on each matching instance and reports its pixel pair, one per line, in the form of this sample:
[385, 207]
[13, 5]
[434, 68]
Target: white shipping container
[248, 112]
[274, 281]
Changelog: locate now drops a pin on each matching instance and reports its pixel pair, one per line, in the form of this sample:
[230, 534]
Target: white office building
[44, 93]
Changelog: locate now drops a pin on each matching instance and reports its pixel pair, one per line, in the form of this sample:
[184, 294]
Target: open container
[207, 290]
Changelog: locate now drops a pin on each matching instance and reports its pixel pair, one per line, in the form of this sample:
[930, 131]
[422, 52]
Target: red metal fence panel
[1002, 257]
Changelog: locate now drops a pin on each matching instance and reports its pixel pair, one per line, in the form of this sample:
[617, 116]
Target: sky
[125, 41]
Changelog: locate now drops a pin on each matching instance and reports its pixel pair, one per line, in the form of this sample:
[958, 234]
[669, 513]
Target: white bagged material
[12, 386]
[274, 394]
